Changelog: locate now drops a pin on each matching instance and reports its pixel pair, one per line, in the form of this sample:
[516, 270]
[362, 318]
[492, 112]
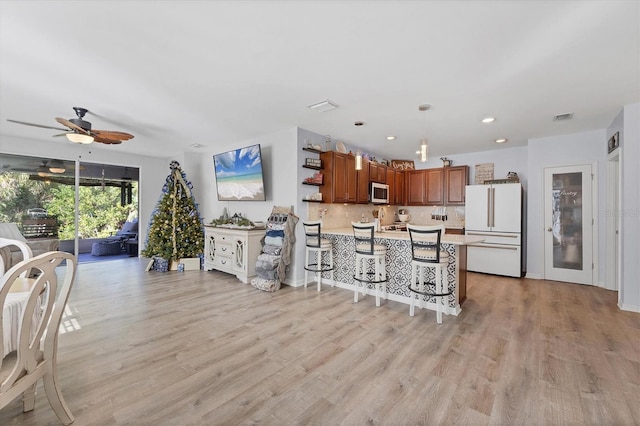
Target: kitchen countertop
[459, 240]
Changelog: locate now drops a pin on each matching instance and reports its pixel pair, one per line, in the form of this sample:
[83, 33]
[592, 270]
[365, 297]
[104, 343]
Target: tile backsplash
[341, 215]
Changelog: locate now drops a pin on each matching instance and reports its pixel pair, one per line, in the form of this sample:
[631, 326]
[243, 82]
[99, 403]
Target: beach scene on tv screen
[239, 174]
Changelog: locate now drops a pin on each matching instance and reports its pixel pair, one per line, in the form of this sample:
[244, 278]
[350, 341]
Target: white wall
[630, 201]
[573, 149]
[504, 160]
[280, 170]
[153, 171]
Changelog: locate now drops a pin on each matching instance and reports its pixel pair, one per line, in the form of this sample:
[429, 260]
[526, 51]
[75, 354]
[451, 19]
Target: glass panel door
[568, 222]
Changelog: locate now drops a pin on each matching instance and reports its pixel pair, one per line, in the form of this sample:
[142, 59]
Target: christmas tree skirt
[190, 264]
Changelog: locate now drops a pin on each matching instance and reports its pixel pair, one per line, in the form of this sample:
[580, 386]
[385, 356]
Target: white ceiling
[176, 73]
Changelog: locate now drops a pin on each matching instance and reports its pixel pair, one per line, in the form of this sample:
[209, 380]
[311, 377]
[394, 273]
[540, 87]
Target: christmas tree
[175, 228]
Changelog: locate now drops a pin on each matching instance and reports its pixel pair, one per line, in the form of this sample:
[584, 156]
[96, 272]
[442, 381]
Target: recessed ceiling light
[391, 138]
[359, 123]
[488, 119]
[501, 140]
[323, 106]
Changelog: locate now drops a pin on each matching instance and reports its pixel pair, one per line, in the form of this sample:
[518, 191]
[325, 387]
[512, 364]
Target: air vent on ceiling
[323, 106]
[197, 145]
[566, 116]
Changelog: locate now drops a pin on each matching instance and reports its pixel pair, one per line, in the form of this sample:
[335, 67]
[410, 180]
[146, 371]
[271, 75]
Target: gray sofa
[12, 255]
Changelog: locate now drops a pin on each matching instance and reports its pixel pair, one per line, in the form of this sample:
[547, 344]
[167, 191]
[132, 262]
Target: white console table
[233, 251]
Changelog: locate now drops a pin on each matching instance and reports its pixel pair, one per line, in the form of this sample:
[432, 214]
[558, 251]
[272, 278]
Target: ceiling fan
[79, 130]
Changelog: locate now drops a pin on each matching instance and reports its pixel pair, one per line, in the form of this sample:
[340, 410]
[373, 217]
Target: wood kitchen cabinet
[435, 185]
[362, 177]
[340, 179]
[395, 180]
[416, 187]
[455, 181]
[399, 188]
[377, 172]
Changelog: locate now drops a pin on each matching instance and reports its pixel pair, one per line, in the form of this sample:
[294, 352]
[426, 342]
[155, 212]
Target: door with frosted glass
[568, 250]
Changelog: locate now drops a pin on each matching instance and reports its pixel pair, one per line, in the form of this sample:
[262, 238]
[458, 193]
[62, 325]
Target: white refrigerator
[495, 212]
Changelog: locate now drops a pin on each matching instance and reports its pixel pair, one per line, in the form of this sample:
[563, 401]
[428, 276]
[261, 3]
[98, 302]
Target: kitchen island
[398, 264]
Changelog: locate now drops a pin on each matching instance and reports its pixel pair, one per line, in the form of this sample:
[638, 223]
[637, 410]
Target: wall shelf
[312, 183]
[311, 167]
[312, 150]
[311, 201]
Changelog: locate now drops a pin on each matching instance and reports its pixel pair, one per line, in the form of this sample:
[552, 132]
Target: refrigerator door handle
[493, 207]
[495, 246]
[488, 207]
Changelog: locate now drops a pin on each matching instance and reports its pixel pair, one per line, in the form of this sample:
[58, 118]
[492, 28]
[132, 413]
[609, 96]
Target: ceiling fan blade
[109, 134]
[106, 141]
[72, 126]
[36, 125]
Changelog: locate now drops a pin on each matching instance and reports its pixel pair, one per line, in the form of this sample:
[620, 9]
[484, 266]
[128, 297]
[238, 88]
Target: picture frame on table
[613, 143]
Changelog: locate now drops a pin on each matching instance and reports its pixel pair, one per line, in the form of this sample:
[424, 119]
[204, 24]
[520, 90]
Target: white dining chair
[24, 248]
[35, 356]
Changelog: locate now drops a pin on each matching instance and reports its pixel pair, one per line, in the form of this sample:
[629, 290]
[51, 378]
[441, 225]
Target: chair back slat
[425, 239]
[363, 234]
[312, 230]
[24, 249]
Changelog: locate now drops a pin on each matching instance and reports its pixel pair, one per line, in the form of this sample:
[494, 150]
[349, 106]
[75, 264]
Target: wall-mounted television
[239, 174]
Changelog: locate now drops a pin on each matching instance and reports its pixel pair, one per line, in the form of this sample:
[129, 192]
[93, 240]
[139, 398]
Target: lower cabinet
[233, 251]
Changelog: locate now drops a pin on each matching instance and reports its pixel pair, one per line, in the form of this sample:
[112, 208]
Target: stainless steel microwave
[379, 193]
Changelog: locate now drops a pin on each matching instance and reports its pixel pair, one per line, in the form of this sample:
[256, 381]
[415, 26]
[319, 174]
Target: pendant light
[359, 160]
[424, 150]
[424, 147]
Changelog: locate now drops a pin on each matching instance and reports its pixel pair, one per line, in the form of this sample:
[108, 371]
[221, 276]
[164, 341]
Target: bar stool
[426, 253]
[368, 252]
[317, 245]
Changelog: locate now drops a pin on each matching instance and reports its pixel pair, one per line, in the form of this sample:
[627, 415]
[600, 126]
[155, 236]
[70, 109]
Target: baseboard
[534, 276]
[629, 308]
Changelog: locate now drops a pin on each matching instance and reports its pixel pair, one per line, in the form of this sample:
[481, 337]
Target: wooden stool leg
[439, 290]
[319, 267]
[384, 279]
[412, 284]
[356, 282]
[377, 278]
[306, 264]
[333, 281]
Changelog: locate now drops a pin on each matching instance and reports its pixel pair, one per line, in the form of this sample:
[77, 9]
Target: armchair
[12, 255]
[128, 231]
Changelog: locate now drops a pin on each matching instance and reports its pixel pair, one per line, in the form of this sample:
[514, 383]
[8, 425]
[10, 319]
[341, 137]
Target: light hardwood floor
[192, 348]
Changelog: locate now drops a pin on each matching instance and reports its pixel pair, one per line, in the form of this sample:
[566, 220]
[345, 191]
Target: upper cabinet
[455, 181]
[362, 178]
[416, 187]
[395, 180]
[377, 172]
[436, 187]
[340, 179]
[435, 184]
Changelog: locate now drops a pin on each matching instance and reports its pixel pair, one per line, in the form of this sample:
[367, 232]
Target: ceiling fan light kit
[80, 138]
[57, 167]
